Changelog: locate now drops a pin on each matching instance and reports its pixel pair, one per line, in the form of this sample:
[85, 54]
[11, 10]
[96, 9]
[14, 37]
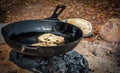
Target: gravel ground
[103, 56]
[100, 55]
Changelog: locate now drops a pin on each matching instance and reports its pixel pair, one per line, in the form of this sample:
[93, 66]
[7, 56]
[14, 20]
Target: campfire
[27, 49]
[71, 62]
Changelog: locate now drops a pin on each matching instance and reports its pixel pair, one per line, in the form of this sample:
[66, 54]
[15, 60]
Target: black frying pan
[20, 35]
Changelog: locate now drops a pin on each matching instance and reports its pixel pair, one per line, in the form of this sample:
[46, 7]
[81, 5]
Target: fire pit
[71, 62]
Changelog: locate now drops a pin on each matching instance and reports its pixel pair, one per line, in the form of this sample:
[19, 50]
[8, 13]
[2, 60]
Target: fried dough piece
[49, 39]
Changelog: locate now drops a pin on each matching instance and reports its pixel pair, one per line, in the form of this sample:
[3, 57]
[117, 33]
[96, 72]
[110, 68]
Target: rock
[110, 31]
[94, 53]
[108, 52]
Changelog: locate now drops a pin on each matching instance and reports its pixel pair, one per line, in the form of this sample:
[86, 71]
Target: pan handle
[57, 12]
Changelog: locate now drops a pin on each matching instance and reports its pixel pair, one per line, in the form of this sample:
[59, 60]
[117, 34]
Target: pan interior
[27, 32]
[32, 37]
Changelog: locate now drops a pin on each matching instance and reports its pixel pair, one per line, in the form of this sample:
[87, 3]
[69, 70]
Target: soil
[103, 57]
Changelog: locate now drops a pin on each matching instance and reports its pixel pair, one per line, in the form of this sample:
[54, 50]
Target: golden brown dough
[49, 39]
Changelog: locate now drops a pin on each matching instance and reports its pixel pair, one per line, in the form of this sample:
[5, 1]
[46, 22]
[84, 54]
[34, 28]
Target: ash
[72, 62]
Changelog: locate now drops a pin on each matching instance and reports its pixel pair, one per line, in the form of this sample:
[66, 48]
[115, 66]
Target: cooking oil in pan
[32, 37]
[26, 38]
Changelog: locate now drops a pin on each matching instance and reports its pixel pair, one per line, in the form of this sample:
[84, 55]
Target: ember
[72, 62]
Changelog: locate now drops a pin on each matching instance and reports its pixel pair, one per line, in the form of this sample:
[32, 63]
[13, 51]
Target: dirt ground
[103, 57]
